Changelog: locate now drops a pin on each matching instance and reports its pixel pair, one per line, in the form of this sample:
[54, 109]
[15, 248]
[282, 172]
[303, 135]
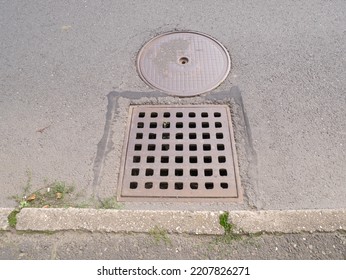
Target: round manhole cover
[183, 63]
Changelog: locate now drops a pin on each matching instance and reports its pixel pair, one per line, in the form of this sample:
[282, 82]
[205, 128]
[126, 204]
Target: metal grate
[184, 152]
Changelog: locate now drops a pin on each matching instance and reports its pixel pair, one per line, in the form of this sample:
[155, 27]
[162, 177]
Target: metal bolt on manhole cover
[180, 153]
[183, 63]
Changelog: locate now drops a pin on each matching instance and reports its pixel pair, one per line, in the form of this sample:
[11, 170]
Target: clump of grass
[12, 218]
[160, 234]
[55, 194]
[230, 234]
[110, 203]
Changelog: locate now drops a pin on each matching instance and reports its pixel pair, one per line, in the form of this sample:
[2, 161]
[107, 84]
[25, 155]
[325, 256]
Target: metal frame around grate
[179, 152]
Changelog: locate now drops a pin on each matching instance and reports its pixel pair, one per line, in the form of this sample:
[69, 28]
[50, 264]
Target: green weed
[56, 194]
[12, 218]
[230, 234]
[110, 203]
[160, 234]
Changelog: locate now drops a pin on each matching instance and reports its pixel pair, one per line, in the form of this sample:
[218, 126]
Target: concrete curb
[118, 220]
[190, 222]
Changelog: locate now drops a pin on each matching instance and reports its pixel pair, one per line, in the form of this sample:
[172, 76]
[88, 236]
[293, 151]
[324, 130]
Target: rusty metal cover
[179, 153]
[183, 63]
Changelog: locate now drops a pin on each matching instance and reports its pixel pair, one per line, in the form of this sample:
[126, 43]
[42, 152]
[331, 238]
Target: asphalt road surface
[83, 246]
[61, 59]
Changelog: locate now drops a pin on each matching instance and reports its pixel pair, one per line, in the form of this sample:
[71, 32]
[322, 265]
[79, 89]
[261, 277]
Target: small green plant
[12, 218]
[110, 203]
[160, 234]
[229, 234]
[51, 195]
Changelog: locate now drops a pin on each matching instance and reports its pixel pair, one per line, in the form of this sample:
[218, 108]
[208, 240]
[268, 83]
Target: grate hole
[140, 125]
[206, 147]
[218, 124]
[192, 125]
[192, 135]
[139, 136]
[133, 185]
[179, 147]
[164, 159]
[208, 172]
[153, 125]
[179, 159]
[150, 159]
[166, 114]
[152, 136]
[219, 135]
[163, 172]
[149, 172]
[194, 185]
[141, 115]
[135, 172]
[166, 125]
[163, 186]
[223, 172]
[192, 115]
[193, 172]
[205, 124]
[165, 147]
[165, 135]
[138, 147]
[206, 135]
[179, 114]
[179, 136]
[153, 115]
[224, 185]
[179, 125]
[220, 147]
[209, 185]
[207, 159]
[217, 115]
[193, 147]
[179, 172]
[204, 115]
[193, 159]
[148, 185]
[151, 147]
[222, 159]
[178, 185]
[136, 159]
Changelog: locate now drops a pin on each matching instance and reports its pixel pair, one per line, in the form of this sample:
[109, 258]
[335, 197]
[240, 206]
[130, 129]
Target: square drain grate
[184, 153]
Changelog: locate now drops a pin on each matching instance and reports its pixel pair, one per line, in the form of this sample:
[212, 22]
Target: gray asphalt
[60, 60]
[83, 246]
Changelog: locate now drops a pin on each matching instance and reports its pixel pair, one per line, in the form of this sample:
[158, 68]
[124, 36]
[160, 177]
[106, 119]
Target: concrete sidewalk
[125, 234]
[188, 222]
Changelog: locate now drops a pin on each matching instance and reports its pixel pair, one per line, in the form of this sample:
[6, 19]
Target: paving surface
[77, 245]
[61, 60]
[68, 76]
